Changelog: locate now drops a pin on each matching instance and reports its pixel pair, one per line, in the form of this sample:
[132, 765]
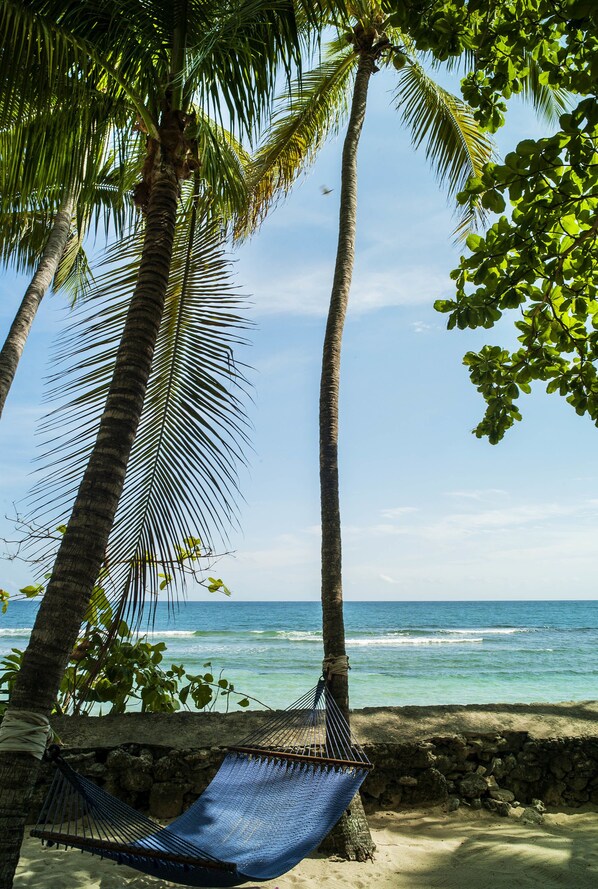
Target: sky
[429, 511]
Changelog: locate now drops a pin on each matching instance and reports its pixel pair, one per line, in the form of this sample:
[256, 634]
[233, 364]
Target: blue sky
[429, 511]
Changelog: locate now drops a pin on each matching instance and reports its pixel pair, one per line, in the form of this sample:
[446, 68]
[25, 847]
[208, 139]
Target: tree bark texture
[84, 543]
[351, 837]
[332, 590]
[13, 347]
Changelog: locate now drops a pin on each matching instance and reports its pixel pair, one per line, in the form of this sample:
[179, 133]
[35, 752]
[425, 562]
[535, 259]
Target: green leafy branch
[113, 670]
[541, 262]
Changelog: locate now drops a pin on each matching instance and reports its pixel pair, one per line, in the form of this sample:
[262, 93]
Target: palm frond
[315, 109]
[23, 237]
[46, 153]
[445, 127]
[37, 78]
[224, 164]
[64, 42]
[262, 37]
[73, 275]
[548, 101]
[182, 476]
[103, 197]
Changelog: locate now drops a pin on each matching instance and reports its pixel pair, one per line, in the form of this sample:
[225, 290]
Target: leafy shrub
[112, 670]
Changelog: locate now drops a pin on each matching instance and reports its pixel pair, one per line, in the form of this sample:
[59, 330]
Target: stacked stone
[492, 771]
[156, 780]
[497, 772]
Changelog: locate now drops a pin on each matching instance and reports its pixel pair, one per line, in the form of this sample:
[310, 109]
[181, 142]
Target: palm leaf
[315, 109]
[44, 55]
[182, 479]
[549, 101]
[262, 37]
[93, 152]
[73, 275]
[445, 127]
[104, 196]
[112, 47]
[224, 164]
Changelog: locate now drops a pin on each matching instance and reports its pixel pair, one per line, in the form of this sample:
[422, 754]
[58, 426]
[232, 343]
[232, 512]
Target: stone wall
[494, 770]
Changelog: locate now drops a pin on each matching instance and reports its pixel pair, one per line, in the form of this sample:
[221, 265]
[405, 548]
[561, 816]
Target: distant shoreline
[316, 601]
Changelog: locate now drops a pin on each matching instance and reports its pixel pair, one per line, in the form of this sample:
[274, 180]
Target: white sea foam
[299, 636]
[490, 631]
[389, 639]
[16, 631]
[392, 641]
[166, 634]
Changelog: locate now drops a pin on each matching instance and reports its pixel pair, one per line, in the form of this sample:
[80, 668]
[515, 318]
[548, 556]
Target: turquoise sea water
[400, 652]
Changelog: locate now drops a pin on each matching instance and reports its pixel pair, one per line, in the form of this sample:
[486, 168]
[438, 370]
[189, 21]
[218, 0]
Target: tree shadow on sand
[417, 850]
[483, 850]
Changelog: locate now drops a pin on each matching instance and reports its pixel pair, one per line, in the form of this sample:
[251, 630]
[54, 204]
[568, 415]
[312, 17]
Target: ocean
[400, 652]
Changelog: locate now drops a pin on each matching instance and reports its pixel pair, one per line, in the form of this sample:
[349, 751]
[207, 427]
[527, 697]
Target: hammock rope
[275, 797]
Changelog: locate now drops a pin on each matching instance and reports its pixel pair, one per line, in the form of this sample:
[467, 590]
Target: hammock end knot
[25, 731]
[335, 666]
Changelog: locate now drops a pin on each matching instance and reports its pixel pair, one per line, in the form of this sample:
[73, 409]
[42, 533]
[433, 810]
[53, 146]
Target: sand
[421, 849]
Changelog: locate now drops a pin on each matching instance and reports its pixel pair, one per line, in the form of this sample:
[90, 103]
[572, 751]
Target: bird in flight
[325, 190]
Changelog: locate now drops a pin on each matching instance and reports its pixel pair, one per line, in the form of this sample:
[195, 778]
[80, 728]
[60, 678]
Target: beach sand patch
[423, 849]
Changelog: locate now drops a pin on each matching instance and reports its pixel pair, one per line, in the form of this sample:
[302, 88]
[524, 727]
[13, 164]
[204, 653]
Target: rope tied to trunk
[24, 731]
[335, 666]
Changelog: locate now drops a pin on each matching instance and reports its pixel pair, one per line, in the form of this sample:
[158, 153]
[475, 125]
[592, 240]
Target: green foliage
[114, 670]
[111, 670]
[182, 473]
[31, 591]
[541, 260]
[318, 106]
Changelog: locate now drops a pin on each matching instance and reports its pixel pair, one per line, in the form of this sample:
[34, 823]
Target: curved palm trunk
[351, 837]
[84, 543]
[11, 351]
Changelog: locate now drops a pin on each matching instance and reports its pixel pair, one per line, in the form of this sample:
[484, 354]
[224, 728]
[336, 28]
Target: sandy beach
[419, 849]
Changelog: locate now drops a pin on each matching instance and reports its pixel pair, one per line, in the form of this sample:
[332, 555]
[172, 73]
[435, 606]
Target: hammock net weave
[277, 794]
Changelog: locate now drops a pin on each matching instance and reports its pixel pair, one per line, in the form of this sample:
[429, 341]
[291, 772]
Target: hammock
[274, 799]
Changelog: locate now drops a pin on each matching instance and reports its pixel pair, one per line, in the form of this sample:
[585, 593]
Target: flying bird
[325, 190]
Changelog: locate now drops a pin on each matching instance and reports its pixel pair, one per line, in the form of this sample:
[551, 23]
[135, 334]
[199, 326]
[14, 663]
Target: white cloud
[503, 519]
[397, 511]
[446, 529]
[423, 327]
[480, 494]
[287, 550]
[307, 292]
[533, 550]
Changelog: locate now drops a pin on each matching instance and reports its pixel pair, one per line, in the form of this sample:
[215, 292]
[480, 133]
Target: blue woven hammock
[274, 799]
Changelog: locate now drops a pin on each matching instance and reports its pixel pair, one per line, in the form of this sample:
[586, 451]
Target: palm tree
[456, 148]
[161, 57]
[43, 232]
[48, 197]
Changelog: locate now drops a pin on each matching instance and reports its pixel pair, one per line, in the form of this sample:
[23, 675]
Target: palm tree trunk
[351, 837]
[84, 543]
[11, 352]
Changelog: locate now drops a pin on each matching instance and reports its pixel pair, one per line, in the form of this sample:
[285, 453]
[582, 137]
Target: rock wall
[494, 770]
[491, 770]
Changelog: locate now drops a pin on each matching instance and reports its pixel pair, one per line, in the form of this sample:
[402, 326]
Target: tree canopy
[540, 257]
